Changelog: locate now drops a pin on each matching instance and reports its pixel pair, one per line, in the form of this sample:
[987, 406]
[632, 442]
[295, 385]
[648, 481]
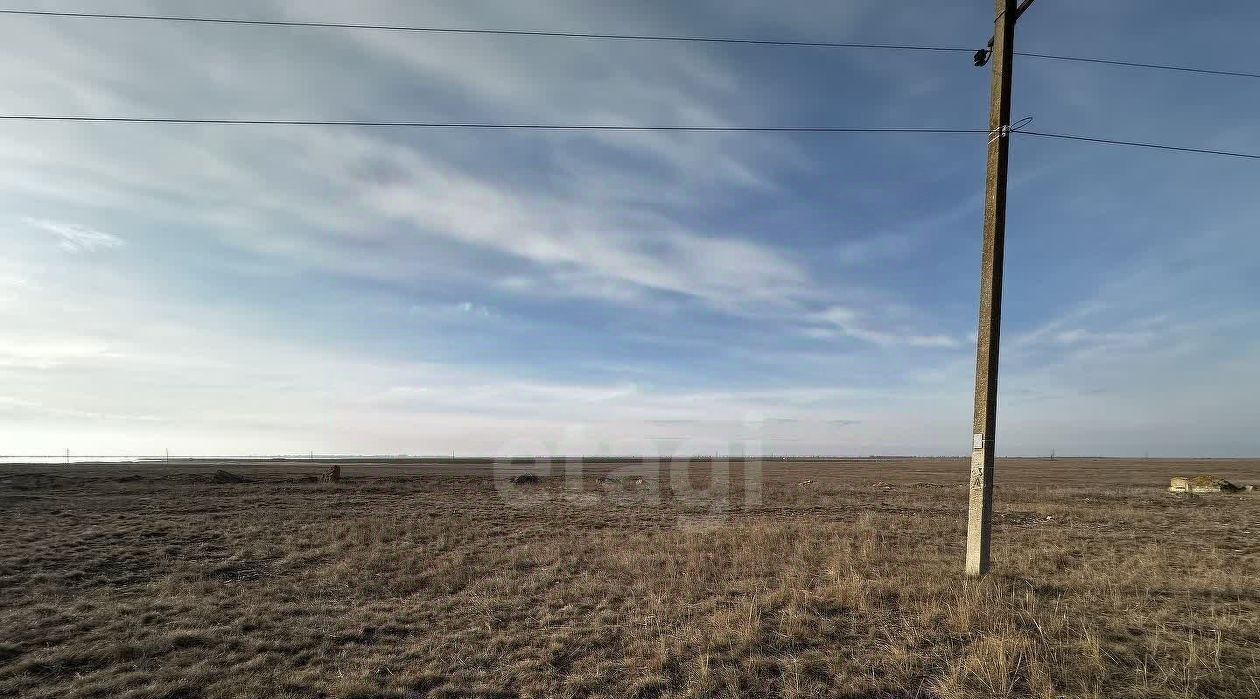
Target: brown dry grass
[413, 580]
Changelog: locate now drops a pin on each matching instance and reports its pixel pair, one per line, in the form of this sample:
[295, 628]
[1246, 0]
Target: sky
[262, 289]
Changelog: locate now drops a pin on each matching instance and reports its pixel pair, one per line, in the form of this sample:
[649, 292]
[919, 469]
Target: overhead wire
[613, 36]
[1136, 64]
[492, 32]
[1139, 144]
[486, 125]
[602, 127]
[1018, 130]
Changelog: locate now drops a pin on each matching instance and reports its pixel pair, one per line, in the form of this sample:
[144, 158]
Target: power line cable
[1135, 64]
[1138, 144]
[499, 32]
[620, 37]
[610, 127]
[483, 125]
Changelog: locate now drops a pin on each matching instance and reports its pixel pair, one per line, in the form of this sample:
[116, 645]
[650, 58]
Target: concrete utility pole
[980, 511]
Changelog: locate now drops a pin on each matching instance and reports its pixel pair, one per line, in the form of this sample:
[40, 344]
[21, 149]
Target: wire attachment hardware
[1006, 130]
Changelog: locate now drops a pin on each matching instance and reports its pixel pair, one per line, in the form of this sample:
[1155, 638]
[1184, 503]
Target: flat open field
[810, 578]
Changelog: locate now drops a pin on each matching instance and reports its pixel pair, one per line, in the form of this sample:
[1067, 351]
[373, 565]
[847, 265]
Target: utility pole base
[980, 511]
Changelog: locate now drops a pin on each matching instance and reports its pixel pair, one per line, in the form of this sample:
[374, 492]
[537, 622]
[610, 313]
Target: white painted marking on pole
[977, 441]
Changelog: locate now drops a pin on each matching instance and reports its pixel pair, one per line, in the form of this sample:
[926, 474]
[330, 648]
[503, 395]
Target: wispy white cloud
[332, 200]
[26, 409]
[573, 234]
[852, 323]
[49, 352]
[13, 278]
[75, 238]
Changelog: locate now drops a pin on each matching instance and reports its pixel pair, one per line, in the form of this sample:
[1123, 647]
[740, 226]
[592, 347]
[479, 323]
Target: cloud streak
[849, 322]
[76, 238]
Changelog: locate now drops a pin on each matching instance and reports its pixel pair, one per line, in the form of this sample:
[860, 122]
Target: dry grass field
[414, 580]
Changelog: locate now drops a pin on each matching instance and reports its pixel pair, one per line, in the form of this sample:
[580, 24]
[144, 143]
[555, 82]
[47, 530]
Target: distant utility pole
[984, 425]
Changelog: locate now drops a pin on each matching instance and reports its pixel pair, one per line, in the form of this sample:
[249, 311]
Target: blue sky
[222, 290]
